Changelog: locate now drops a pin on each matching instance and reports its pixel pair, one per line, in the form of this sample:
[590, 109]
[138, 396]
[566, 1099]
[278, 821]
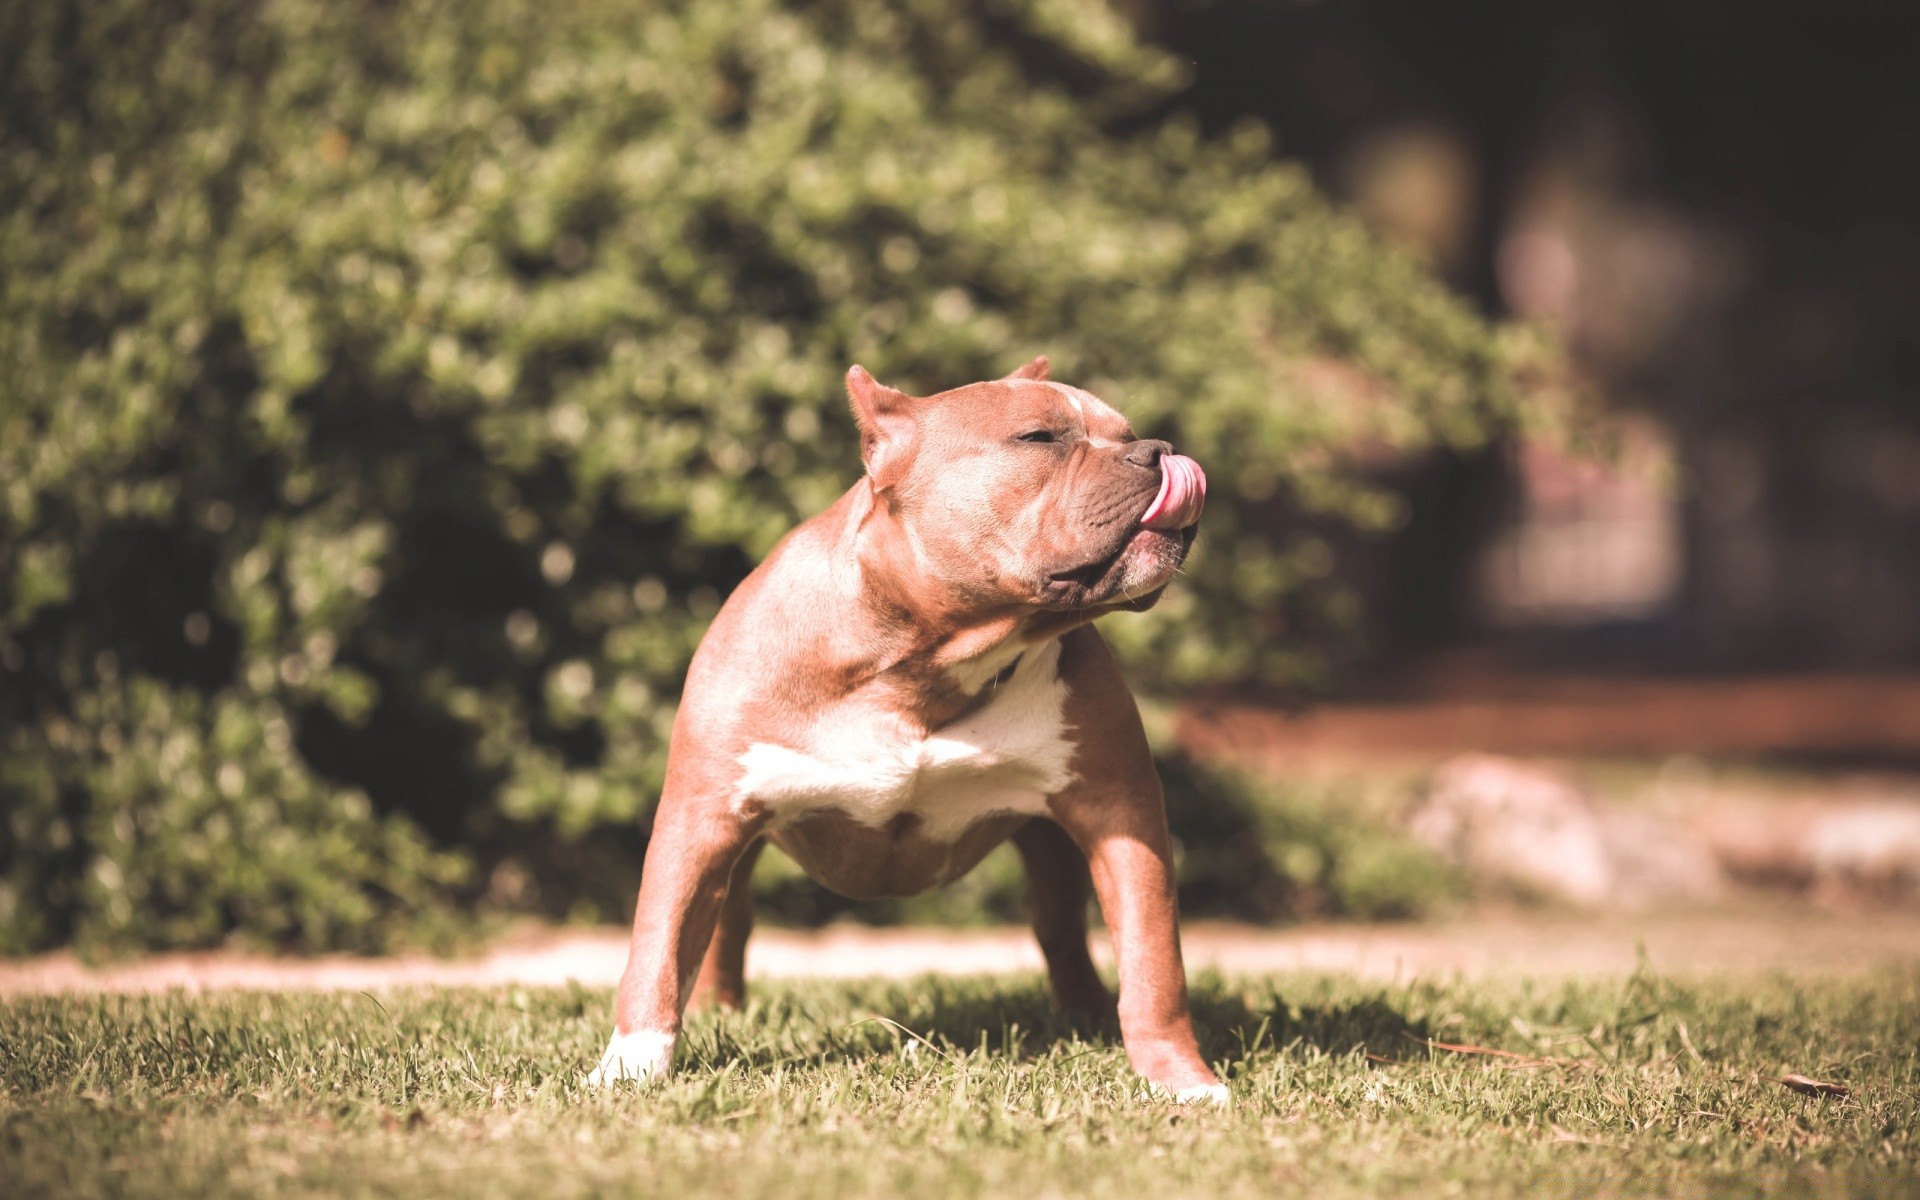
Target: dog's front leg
[1116, 812]
[1129, 851]
[682, 887]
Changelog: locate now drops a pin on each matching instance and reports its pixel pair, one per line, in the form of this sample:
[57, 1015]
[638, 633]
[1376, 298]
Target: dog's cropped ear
[1037, 369]
[885, 417]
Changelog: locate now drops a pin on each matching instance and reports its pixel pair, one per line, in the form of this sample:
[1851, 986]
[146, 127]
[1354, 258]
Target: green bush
[1256, 848]
[392, 392]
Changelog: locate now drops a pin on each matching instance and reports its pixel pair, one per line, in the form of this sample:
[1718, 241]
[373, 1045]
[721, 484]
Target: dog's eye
[1038, 435]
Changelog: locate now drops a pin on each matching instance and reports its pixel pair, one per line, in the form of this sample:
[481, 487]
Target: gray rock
[1870, 849]
[1527, 828]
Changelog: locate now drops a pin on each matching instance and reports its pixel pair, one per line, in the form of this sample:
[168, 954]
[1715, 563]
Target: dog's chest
[1006, 757]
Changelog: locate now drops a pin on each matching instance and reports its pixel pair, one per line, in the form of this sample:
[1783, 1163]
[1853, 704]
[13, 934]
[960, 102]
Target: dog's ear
[885, 417]
[1037, 369]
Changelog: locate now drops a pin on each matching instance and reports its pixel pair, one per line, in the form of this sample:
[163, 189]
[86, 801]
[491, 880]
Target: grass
[1642, 1085]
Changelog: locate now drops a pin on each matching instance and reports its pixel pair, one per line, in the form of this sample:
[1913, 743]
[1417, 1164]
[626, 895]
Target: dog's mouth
[1147, 552]
[1089, 575]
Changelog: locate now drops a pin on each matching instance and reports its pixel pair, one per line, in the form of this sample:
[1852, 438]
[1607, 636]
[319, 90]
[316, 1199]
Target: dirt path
[1551, 714]
[1793, 941]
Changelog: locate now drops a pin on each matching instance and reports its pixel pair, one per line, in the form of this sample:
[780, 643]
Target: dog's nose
[1147, 454]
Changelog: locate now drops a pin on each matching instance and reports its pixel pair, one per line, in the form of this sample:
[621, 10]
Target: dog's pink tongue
[1183, 493]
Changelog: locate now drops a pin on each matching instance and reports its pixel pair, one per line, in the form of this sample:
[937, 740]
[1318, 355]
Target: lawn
[971, 1087]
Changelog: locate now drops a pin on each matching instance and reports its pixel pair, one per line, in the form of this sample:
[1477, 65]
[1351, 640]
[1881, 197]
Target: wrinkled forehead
[1036, 404]
[1101, 420]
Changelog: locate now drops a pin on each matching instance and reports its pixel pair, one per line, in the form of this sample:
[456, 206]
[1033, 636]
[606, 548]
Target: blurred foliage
[1261, 849]
[392, 392]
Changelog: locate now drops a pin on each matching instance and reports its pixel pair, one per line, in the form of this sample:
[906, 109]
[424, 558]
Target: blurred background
[392, 393]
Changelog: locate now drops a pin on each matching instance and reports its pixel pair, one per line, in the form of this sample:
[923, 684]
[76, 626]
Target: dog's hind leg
[1058, 889]
[723, 973]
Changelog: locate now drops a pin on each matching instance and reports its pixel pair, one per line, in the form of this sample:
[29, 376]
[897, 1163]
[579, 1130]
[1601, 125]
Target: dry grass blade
[1510, 1057]
[914, 1038]
[1686, 1042]
[1569, 1137]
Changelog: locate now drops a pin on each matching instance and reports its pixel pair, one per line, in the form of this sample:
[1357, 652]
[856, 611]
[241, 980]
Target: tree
[394, 391]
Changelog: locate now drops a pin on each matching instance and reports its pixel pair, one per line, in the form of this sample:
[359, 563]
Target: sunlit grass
[973, 1087]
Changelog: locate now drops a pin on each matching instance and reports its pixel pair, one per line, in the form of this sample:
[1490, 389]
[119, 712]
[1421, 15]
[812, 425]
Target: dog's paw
[1215, 1094]
[642, 1056]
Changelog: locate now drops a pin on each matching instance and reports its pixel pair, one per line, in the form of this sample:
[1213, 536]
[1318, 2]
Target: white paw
[1215, 1094]
[642, 1055]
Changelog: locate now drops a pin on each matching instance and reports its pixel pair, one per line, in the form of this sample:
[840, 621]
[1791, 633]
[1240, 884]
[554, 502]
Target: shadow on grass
[1231, 1027]
[1022, 1021]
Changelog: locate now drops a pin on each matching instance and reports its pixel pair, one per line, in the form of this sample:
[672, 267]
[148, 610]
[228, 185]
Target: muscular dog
[913, 677]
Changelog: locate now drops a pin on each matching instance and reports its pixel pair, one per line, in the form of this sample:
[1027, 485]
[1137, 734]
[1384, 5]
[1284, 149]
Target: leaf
[1814, 1087]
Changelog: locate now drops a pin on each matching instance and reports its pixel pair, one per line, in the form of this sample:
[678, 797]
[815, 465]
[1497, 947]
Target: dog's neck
[933, 653]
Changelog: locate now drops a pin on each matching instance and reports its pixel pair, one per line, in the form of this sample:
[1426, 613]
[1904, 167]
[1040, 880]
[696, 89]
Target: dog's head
[1028, 492]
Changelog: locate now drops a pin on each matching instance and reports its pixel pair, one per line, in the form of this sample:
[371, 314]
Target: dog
[911, 678]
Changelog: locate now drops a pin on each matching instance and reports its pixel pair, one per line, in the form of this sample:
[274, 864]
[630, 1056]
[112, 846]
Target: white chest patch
[1007, 757]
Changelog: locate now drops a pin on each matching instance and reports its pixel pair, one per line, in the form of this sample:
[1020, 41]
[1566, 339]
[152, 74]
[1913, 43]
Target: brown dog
[912, 678]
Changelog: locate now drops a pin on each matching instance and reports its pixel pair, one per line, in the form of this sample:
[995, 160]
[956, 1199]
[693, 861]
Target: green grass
[1651, 1086]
